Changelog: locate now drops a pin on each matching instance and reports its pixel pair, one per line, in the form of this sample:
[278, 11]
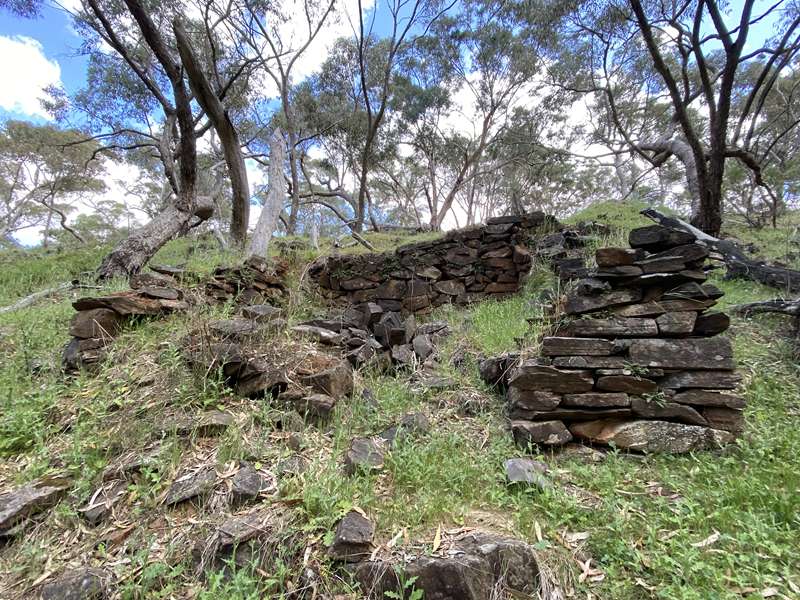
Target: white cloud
[24, 72]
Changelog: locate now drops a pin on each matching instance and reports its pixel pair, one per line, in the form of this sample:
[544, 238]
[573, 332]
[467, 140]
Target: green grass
[645, 545]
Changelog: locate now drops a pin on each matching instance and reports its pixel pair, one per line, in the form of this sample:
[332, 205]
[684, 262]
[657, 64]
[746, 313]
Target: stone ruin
[466, 265]
[636, 362]
[100, 319]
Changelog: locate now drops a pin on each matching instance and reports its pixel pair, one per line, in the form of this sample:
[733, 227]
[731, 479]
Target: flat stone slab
[718, 398]
[547, 433]
[364, 454]
[613, 328]
[650, 409]
[20, 503]
[532, 399]
[597, 400]
[532, 376]
[352, 540]
[577, 304]
[239, 529]
[699, 353]
[651, 436]
[335, 381]
[725, 380]
[526, 471]
[191, 485]
[630, 384]
[580, 346]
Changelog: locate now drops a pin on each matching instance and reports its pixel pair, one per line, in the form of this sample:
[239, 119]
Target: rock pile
[100, 319]
[257, 281]
[464, 266]
[637, 365]
[369, 332]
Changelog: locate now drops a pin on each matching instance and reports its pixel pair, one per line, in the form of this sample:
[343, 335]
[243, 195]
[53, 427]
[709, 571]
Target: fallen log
[32, 299]
[784, 307]
[737, 262]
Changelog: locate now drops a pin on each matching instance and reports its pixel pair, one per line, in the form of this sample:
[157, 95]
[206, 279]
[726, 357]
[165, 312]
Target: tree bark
[130, 255]
[273, 205]
[228, 136]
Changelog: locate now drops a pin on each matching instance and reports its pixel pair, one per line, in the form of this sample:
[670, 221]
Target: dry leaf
[769, 592]
[708, 541]
[437, 539]
[537, 529]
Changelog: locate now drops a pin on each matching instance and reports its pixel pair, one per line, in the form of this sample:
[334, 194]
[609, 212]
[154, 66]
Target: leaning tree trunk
[273, 205]
[132, 254]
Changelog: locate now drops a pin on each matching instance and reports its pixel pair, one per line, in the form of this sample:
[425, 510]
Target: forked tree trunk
[273, 205]
[132, 254]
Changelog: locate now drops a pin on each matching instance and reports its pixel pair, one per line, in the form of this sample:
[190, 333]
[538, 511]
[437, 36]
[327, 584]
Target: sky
[44, 51]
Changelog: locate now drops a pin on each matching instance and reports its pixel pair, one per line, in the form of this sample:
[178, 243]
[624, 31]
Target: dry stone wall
[463, 266]
[638, 363]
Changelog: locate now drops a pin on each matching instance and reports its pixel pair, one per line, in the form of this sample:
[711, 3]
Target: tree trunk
[273, 205]
[132, 254]
[293, 172]
[228, 136]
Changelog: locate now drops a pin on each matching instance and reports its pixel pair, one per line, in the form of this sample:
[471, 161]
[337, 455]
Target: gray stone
[530, 376]
[652, 409]
[630, 384]
[262, 313]
[27, 500]
[596, 400]
[699, 353]
[95, 323]
[651, 436]
[451, 287]
[247, 483]
[578, 304]
[590, 362]
[676, 323]
[577, 346]
[724, 380]
[318, 334]
[364, 454]
[527, 471]
[317, 407]
[614, 257]
[656, 238]
[191, 485]
[546, 433]
[619, 327]
[709, 324]
[423, 346]
[79, 584]
[335, 381]
[239, 529]
[710, 398]
[352, 540]
[726, 419]
[480, 564]
[532, 399]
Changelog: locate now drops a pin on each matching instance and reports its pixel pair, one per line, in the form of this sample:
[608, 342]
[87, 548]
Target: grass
[643, 543]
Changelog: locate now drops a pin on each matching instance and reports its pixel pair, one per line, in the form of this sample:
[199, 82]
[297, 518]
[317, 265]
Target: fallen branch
[737, 262]
[784, 307]
[42, 294]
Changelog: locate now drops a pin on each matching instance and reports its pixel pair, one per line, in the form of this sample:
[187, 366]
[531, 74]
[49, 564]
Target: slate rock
[630, 384]
[653, 309]
[352, 540]
[725, 419]
[526, 471]
[22, 502]
[79, 584]
[364, 454]
[291, 466]
[318, 334]
[247, 483]
[696, 353]
[531, 376]
[676, 323]
[262, 313]
[480, 564]
[717, 398]
[590, 362]
[578, 304]
[577, 346]
[95, 323]
[423, 346]
[596, 400]
[102, 502]
[191, 485]
[656, 238]
[335, 381]
[546, 433]
[317, 407]
[665, 410]
[140, 280]
[613, 328]
[160, 292]
[532, 399]
[240, 529]
[495, 370]
[724, 380]
[651, 436]
[710, 324]
[615, 257]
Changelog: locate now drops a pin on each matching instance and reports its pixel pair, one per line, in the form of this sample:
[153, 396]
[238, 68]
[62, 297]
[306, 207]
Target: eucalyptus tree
[43, 173]
[677, 67]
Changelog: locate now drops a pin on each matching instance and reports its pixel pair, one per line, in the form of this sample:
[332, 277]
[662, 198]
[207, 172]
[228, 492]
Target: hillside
[604, 523]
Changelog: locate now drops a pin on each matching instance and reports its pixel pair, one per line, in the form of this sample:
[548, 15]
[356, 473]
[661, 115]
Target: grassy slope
[643, 543]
